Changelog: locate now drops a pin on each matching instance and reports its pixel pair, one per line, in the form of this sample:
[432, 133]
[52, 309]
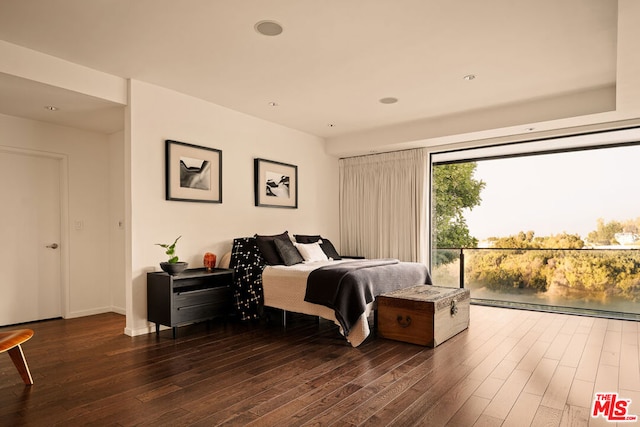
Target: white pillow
[311, 251]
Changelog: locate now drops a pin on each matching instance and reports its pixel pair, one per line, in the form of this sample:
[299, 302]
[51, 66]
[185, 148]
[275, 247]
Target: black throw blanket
[348, 287]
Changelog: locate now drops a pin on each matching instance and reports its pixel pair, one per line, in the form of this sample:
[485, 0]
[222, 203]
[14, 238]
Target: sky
[555, 193]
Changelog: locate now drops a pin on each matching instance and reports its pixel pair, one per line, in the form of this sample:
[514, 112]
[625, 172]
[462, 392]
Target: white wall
[628, 65]
[116, 223]
[87, 172]
[157, 114]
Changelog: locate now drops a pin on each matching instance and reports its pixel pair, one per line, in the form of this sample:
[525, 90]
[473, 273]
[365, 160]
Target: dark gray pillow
[303, 238]
[329, 249]
[268, 248]
[288, 253]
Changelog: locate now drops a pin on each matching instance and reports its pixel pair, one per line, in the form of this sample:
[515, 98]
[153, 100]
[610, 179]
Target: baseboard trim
[119, 310]
[91, 312]
[141, 331]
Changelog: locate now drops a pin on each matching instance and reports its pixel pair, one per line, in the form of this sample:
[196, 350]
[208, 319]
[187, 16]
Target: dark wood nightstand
[192, 296]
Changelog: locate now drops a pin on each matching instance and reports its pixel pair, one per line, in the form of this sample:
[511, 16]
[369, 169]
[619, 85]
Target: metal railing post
[461, 268]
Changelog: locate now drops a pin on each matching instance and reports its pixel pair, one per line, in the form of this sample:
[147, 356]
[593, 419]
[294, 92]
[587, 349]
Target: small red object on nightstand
[209, 261]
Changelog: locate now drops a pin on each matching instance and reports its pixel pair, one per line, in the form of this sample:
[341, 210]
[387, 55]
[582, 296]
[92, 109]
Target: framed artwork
[276, 184]
[193, 173]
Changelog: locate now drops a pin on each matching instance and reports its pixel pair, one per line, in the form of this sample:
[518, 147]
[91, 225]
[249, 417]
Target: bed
[308, 276]
[285, 288]
[271, 272]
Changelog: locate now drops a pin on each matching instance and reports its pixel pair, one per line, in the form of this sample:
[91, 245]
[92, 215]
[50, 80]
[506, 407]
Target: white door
[29, 238]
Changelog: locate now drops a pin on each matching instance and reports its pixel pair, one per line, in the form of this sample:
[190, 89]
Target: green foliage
[564, 241]
[455, 190]
[446, 256]
[528, 240]
[507, 271]
[581, 272]
[524, 262]
[613, 273]
[170, 250]
[521, 240]
[605, 233]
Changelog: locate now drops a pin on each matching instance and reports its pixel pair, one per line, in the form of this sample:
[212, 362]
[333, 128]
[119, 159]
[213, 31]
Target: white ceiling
[332, 63]
[27, 98]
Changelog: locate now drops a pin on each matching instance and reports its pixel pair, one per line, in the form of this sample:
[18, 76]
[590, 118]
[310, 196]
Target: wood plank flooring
[510, 368]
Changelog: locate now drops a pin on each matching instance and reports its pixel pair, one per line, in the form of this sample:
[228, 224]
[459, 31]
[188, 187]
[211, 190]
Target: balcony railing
[597, 282]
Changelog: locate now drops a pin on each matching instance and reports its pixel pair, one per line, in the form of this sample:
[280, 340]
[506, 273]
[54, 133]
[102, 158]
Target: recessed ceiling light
[268, 28]
[469, 77]
[388, 100]
[51, 108]
[273, 104]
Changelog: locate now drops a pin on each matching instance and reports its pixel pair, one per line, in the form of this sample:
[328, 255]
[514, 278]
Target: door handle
[52, 246]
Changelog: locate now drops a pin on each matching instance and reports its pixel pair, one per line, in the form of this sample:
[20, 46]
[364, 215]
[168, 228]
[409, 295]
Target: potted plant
[173, 266]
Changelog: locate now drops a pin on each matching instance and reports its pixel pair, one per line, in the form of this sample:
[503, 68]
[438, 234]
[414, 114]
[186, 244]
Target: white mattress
[284, 288]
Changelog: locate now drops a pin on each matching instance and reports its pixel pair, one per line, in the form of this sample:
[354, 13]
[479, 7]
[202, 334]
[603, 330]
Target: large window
[551, 224]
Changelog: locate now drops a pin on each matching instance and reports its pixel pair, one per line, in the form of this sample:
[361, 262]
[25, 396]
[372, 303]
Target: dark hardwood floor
[511, 368]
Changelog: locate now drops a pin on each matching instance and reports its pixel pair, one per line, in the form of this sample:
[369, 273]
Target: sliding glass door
[551, 224]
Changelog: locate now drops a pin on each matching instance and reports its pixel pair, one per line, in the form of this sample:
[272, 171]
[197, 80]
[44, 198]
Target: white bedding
[284, 288]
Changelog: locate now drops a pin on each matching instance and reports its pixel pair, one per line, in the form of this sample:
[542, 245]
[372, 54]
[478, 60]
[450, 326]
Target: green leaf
[170, 250]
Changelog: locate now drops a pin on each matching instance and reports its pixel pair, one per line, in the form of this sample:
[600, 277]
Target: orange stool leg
[21, 363]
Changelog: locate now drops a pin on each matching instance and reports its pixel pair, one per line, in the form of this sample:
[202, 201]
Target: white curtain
[383, 205]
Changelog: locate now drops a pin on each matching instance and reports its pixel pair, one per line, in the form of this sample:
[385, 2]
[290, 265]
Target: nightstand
[192, 296]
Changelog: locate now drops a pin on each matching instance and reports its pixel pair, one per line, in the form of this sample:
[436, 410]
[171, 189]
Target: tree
[528, 240]
[631, 226]
[521, 240]
[455, 190]
[605, 233]
[563, 241]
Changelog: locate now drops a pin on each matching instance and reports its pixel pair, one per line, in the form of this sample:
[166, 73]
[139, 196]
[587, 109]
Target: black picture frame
[276, 184]
[193, 173]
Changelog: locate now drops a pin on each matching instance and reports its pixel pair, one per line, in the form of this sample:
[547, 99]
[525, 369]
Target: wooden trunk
[423, 314]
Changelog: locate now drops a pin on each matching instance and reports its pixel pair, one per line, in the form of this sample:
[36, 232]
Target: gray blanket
[348, 287]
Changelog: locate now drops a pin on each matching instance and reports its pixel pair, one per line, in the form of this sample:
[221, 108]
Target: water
[586, 302]
[557, 296]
